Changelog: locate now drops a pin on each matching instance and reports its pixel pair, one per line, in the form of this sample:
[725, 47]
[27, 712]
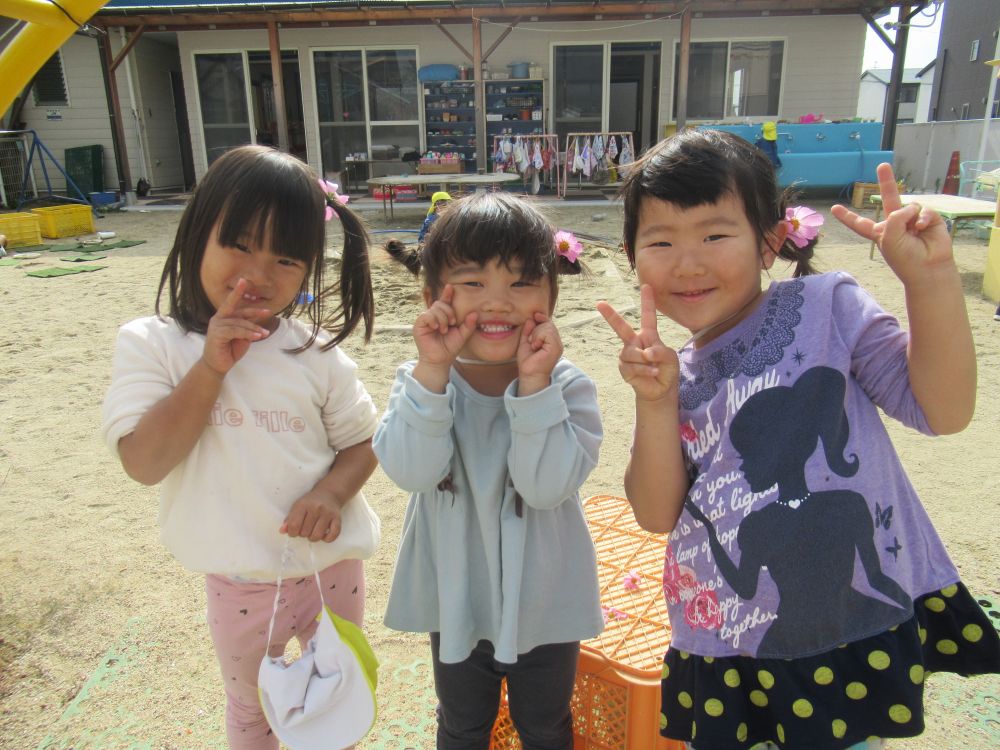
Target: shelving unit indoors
[450, 119]
[514, 106]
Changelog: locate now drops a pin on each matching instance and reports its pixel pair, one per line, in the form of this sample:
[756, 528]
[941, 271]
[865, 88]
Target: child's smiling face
[703, 262]
[273, 280]
[503, 300]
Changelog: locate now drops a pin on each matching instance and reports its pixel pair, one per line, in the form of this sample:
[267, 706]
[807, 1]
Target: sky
[921, 45]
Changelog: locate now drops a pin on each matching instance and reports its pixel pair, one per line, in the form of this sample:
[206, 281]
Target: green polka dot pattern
[856, 690]
[832, 699]
[879, 660]
[839, 728]
[802, 708]
[900, 714]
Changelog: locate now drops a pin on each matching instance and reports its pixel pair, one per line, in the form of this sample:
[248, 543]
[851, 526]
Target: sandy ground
[102, 635]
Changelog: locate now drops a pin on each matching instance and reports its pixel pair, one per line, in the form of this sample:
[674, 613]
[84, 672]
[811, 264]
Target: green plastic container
[85, 166]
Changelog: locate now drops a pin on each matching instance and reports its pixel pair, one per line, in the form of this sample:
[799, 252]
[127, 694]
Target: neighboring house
[968, 39]
[193, 86]
[914, 93]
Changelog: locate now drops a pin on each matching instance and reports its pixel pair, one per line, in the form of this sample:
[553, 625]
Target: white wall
[822, 65]
[151, 63]
[923, 150]
[871, 99]
[83, 122]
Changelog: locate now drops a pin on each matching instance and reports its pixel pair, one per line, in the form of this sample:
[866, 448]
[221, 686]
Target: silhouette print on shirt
[806, 540]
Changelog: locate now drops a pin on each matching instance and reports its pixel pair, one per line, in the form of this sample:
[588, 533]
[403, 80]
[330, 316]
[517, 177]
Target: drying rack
[549, 140]
[572, 139]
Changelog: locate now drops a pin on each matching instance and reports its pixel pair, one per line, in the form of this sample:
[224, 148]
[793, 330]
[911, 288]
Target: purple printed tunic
[815, 536]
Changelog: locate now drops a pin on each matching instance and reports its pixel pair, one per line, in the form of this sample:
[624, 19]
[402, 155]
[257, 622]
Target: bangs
[490, 227]
[282, 215]
[688, 179]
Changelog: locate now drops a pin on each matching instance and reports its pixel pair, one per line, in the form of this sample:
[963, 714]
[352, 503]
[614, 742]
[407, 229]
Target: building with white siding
[196, 83]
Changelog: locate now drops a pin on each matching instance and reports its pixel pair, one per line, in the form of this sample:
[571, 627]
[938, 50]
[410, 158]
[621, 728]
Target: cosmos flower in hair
[331, 190]
[803, 224]
[568, 246]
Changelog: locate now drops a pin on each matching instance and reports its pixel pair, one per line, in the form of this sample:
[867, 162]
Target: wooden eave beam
[427, 16]
[135, 36]
[487, 53]
[454, 41]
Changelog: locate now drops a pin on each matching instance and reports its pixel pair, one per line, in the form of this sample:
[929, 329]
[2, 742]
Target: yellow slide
[46, 30]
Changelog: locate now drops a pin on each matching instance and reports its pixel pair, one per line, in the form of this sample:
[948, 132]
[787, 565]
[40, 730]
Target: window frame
[64, 102]
[368, 123]
[727, 87]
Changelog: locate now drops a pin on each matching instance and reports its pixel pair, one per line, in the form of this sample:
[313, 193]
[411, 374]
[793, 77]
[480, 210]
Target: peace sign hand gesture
[913, 240]
[645, 363]
[231, 331]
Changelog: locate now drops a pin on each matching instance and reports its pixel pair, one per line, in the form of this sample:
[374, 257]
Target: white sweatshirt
[273, 433]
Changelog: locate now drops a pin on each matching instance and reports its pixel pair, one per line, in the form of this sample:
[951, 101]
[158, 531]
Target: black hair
[483, 227]
[698, 167]
[276, 200]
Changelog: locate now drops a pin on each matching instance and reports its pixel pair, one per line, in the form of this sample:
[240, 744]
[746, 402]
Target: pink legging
[238, 616]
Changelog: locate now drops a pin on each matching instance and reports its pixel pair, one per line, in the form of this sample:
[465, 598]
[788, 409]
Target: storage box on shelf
[65, 221]
[616, 700]
[514, 107]
[450, 119]
[21, 229]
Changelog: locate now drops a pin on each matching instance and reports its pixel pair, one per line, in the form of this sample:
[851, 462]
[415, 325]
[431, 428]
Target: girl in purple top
[808, 592]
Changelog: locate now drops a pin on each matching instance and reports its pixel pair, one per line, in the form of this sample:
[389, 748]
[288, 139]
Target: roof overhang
[176, 15]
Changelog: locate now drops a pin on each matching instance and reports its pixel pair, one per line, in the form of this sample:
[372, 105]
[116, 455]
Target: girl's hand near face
[231, 331]
[538, 351]
[913, 240]
[645, 363]
[439, 337]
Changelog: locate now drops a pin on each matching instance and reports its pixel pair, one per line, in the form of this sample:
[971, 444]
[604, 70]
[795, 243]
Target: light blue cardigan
[468, 565]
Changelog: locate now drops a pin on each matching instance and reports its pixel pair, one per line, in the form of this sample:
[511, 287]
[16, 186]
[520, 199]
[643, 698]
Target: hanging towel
[536, 156]
[612, 146]
[598, 147]
[587, 157]
[577, 157]
[626, 154]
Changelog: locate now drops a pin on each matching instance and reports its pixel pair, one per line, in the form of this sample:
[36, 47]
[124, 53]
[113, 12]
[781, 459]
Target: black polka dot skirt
[869, 688]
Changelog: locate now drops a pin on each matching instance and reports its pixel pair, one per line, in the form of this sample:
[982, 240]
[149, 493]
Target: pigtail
[566, 267]
[356, 301]
[800, 256]
[803, 235]
[568, 251]
[400, 253]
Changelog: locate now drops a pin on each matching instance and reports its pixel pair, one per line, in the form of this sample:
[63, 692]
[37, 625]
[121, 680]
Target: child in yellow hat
[439, 200]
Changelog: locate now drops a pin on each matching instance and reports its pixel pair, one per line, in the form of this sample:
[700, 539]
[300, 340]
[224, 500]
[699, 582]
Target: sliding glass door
[368, 105]
[236, 94]
[732, 79]
[609, 86]
[222, 93]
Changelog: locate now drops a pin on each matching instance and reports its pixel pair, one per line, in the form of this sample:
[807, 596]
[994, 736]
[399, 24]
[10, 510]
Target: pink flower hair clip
[568, 246]
[332, 192]
[803, 224]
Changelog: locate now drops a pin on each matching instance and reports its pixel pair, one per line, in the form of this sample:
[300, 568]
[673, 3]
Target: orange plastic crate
[65, 221]
[21, 229]
[616, 700]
